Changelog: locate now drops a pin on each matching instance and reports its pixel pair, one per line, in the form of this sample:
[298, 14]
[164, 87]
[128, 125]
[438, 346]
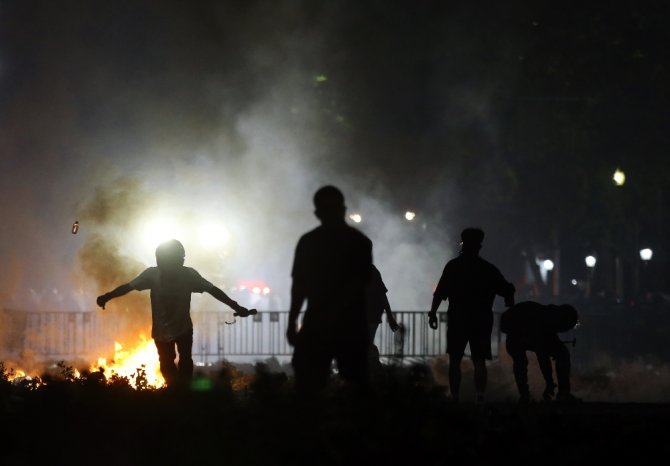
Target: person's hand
[241, 311]
[102, 300]
[394, 325]
[292, 334]
[548, 393]
[432, 320]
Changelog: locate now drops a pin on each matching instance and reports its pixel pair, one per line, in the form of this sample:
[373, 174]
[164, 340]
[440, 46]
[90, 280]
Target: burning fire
[127, 362]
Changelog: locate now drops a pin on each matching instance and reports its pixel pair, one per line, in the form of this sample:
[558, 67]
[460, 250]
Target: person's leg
[166, 357]
[455, 375]
[519, 367]
[480, 350]
[480, 377]
[373, 353]
[311, 365]
[352, 357]
[184, 348]
[457, 340]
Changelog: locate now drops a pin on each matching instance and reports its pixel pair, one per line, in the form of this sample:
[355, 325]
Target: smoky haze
[229, 112]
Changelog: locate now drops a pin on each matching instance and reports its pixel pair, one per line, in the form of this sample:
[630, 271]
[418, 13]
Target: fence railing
[217, 335]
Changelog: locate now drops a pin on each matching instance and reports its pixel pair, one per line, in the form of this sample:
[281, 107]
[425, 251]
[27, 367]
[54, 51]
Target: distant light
[619, 177]
[266, 290]
[646, 254]
[356, 218]
[320, 78]
[548, 264]
[157, 230]
[213, 235]
[256, 290]
[590, 261]
[574, 282]
[409, 215]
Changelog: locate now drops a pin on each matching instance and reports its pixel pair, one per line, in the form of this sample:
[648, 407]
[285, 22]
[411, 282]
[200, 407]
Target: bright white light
[646, 253]
[590, 261]
[619, 177]
[256, 290]
[356, 218]
[157, 230]
[548, 264]
[574, 282]
[213, 234]
[266, 290]
[409, 215]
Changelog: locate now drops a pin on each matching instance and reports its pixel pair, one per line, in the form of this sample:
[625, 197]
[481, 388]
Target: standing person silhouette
[171, 285]
[377, 304]
[471, 284]
[331, 269]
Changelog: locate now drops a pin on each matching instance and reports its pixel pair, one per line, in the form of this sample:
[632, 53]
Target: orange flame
[127, 362]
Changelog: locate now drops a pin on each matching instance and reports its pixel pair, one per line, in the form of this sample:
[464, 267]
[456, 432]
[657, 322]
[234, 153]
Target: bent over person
[532, 326]
[331, 268]
[171, 285]
[471, 284]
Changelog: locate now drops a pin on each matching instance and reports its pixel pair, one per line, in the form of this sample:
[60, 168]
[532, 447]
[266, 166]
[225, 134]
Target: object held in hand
[246, 313]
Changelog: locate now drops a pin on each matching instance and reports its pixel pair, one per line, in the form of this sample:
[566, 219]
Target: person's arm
[115, 293]
[298, 297]
[544, 361]
[219, 294]
[442, 291]
[505, 289]
[432, 315]
[390, 318]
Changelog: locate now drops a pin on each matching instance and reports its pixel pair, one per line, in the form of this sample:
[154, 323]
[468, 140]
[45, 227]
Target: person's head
[329, 205]
[471, 240]
[563, 317]
[170, 254]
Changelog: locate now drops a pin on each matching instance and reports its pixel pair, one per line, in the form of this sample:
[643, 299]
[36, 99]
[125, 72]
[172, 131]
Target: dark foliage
[406, 420]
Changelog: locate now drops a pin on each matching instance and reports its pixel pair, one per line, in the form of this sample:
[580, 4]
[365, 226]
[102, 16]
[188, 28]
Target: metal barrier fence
[217, 336]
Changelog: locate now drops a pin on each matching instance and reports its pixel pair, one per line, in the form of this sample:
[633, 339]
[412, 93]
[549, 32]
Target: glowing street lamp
[619, 177]
[409, 215]
[548, 264]
[590, 263]
[645, 255]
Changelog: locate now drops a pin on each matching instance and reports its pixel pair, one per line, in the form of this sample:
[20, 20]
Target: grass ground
[236, 418]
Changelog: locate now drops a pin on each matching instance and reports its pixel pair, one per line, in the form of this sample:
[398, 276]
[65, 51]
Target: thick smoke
[237, 112]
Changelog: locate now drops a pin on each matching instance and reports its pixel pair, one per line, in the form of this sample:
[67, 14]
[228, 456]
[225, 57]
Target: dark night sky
[512, 117]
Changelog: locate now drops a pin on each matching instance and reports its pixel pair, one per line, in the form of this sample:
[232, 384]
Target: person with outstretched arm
[171, 285]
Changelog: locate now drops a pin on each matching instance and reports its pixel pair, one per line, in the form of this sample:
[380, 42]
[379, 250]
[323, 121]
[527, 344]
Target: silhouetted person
[471, 284]
[532, 326]
[331, 269]
[377, 303]
[171, 285]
